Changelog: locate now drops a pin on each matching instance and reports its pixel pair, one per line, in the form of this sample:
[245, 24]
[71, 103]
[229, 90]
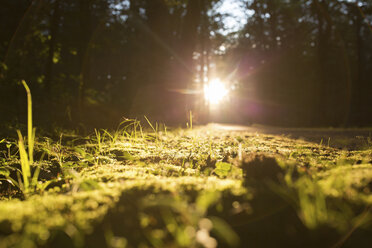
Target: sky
[234, 11]
[236, 15]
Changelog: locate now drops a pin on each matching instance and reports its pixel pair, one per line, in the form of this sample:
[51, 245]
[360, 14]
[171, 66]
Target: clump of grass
[260, 168]
[130, 128]
[112, 137]
[27, 160]
[312, 203]
[188, 224]
[29, 182]
[100, 140]
[155, 129]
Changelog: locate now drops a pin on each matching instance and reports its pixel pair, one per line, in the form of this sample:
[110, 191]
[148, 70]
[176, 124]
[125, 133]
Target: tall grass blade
[30, 131]
[150, 124]
[35, 177]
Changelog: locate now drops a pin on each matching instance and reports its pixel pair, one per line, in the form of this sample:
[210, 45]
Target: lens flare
[215, 91]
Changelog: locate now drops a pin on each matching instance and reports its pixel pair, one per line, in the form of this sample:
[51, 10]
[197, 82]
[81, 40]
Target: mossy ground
[206, 187]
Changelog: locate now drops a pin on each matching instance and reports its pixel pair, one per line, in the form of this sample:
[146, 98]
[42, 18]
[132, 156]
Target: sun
[215, 91]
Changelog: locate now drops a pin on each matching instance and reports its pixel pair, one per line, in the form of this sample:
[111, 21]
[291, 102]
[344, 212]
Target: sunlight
[235, 15]
[215, 91]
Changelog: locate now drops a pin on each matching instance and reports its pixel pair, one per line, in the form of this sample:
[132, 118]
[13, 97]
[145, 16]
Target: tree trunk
[203, 109]
[54, 29]
[85, 27]
[356, 104]
[189, 39]
[188, 42]
[324, 29]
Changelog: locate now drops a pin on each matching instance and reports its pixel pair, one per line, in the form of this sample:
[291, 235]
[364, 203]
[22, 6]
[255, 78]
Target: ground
[207, 186]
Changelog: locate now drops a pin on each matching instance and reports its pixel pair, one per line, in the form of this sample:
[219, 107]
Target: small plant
[153, 128]
[129, 129]
[112, 137]
[223, 169]
[55, 150]
[8, 146]
[313, 209]
[188, 224]
[100, 140]
[29, 182]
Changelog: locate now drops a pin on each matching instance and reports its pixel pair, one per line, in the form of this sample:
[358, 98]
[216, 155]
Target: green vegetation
[149, 187]
[30, 130]
[89, 63]
[285, 63]
[29, 183]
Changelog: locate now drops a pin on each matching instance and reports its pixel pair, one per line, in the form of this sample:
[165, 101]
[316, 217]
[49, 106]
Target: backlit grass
[147, 186]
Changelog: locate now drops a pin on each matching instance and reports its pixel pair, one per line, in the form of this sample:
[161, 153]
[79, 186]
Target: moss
[310, 185]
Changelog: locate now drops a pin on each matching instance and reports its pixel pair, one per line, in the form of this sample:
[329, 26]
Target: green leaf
[4, 66]
[80, 151]
[11, 181]
[125, 155]
[223, 169]
[206, 199]
[225, 232]
[88, 185]
[4, 172]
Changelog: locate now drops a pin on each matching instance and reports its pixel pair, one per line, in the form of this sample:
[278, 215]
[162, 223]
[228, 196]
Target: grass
[28, 184]
[30, 129]
[195, 187]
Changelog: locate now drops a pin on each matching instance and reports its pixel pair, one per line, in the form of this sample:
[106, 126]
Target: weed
[99, 139]
[189, 225]
[8, 145]
[30, 129]
[155, 129]
[312, 203]
[112, 137]
[29, 182]
[222, 169]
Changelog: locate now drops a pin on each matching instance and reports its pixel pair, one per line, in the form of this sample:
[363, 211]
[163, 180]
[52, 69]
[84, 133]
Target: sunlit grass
[28, 183]
[182, 179]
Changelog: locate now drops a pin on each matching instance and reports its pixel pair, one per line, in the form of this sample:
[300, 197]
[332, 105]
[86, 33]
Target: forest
[185, 123]
[292, 63]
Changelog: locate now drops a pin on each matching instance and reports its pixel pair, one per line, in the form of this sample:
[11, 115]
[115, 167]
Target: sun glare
[215, 91]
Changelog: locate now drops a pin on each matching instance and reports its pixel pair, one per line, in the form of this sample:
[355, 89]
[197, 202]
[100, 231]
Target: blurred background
[276, 62]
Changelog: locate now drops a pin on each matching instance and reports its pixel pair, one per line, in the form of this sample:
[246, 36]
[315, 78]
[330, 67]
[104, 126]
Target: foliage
[80, 67]
[130, 188]
[222, 169]
[30, 130]
[30, 182]
[288, 60]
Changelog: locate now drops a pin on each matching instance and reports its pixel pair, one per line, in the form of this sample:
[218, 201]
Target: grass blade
[30, 132]
[25, 165]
